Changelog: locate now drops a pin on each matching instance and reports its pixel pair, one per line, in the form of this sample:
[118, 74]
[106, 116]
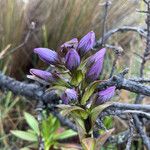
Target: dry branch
[37, 92]
[139, 30]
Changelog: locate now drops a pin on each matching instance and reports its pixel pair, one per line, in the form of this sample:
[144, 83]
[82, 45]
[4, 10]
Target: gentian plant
[74, 76]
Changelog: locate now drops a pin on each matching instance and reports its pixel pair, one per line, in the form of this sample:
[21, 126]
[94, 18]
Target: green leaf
[89, 91]
[77, 77]
[49, 127]
[56, 87]
[66, 134]
[89, 143]
[80, 127]
[67, 109]
[25, 135]
[32, 122]
[97, 110]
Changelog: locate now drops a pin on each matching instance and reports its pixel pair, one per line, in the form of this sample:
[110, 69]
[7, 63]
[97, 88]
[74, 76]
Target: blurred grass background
[57, 21]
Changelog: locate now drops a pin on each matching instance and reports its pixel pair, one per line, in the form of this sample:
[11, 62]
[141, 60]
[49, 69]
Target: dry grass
[60, 20]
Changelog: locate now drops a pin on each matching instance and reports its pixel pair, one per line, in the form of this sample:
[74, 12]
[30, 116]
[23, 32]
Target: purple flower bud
[69, 95]
[95, 65]
[70, 44]
[86, 43]
[45, 75]
[47, 55]
[72, 59]
[105, 95]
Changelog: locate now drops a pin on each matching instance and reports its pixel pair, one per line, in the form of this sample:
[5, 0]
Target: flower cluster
[75, 70]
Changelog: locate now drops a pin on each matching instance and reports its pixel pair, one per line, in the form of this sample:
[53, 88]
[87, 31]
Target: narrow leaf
[89, 91]
[77, 77]
[80, 127]
[67, 109]
[32, 122]
[66, 134]
[25, 135]
[97, 110]
[89, 143]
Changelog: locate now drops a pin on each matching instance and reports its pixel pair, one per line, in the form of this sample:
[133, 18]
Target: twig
[138, 55]
[113, 66]
[140, 80]
[122, 83]
[3, 52]
[143, 135]
[29, 33]
[39, 109]
[64, 121]
[122, 108]
[36, 92]
[104, 21]
[116, 49]
[119, 138]
[137, 112]
[139, 30]
[131, 129]
[147, 49]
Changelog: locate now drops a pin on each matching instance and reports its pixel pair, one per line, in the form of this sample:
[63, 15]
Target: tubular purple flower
[69, 95]
[86, 43]
[105, 95]
[95, 65]
[47, 55]
[73, 43]
[45, 75]
[72, 59]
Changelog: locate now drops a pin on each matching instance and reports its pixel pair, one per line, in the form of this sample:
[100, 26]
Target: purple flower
[105, 95]
[69, 95]
[95, 65]
[72, 59]
[86, 43]
[73, 43]
[45, 75]
[47, 55]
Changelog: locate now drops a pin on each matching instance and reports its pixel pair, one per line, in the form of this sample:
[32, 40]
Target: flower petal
[47, 76]
[95, 65]
[72, 59]
[69, 95]
[73, 43]
[47, 55]
[86, 43]
[105, 95]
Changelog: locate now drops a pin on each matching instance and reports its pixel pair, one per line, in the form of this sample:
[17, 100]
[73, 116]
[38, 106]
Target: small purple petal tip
[47, 55]
[72, 59]
[86, 43]
[105, 95]
[95, 65]
[73, 43]
[69, 95]
[45, 75]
